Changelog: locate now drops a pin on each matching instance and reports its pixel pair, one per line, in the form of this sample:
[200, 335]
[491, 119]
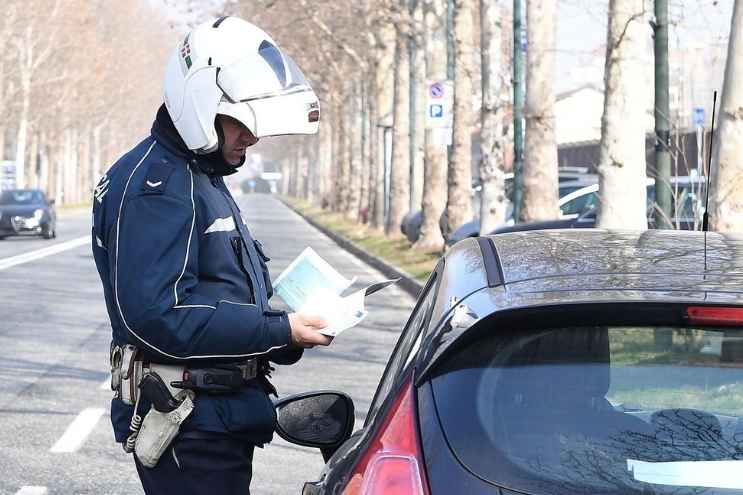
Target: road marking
[32, 490]
[42, 253]
[78, 431]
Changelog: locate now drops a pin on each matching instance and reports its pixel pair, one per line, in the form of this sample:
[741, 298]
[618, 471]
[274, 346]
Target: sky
[581, 34]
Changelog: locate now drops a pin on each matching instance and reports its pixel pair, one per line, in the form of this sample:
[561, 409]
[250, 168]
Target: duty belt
[128, 368]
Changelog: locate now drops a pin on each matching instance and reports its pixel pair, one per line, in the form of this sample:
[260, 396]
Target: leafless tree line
[370, 61]
[79, 82]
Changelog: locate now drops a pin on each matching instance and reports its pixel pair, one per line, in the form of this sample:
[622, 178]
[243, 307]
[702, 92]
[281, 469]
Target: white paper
[709, 474]
[340, 312]
[312, 286]
[308, 274]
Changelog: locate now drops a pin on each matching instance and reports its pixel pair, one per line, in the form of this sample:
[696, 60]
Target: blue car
[552, 362]
[27, 212]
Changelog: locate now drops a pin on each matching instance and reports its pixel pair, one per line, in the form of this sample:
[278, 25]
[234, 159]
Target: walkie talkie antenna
[705, 216]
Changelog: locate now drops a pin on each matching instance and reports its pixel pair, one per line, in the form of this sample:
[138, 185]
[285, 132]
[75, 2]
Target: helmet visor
[265, 74]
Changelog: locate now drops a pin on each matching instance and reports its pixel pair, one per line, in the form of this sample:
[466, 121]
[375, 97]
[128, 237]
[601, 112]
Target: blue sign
[436, 111]
[437, 90]
[698, 116]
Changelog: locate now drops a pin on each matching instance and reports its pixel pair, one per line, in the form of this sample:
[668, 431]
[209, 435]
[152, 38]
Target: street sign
[698, 116]
[436, 90]
[435, 110]
[439, 104]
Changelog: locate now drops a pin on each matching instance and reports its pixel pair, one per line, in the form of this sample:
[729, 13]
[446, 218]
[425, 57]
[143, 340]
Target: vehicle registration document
[312, 286]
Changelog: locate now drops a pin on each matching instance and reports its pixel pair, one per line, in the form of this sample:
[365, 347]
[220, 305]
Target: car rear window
[598, 409]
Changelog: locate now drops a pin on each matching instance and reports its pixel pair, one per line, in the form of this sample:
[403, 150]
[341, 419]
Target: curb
[406, 283]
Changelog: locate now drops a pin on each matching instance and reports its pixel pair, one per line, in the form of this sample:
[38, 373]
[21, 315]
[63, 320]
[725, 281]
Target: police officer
[186, 285]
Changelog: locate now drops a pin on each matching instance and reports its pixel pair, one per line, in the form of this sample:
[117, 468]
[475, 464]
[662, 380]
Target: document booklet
[312, 286]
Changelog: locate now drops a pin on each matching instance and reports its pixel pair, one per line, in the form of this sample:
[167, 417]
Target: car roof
[542, 268]
[572, 259]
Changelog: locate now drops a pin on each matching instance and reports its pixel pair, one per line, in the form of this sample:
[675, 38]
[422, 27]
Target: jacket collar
[165, 133]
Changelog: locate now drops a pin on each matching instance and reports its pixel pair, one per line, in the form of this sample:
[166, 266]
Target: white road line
[78, 431]
[42, 253]
[32, 490]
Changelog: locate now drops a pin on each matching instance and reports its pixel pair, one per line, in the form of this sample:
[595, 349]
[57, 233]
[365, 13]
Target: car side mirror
[322, 419]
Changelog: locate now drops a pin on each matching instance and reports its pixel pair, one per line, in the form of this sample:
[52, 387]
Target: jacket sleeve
[155, 269]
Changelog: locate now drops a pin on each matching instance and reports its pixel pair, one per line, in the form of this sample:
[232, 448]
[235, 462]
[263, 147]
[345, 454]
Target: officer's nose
[247, 138]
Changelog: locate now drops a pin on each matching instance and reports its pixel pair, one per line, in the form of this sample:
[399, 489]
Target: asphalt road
[55, 434]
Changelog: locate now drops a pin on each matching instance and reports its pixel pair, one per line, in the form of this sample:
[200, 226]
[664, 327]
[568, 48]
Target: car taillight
[392, 463]
[715, 315]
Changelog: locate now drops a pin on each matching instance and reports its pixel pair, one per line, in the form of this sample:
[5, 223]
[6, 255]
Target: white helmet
[232, 67]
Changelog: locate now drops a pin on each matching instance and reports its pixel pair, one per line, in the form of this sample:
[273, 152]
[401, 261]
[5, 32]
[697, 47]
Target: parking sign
[435, 111]
[439, 104]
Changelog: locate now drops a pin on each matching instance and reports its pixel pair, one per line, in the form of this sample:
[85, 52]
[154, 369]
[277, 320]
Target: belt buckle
[251, 369]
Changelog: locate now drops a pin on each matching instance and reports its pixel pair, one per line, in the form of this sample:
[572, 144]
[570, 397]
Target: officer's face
[237, 138]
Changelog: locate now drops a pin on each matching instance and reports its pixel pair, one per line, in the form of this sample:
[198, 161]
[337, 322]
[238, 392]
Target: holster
[159, 429]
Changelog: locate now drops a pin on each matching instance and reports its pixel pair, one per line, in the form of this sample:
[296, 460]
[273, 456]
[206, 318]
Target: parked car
[569, 183]
[552, 362]
[27, 211]
[578, 209]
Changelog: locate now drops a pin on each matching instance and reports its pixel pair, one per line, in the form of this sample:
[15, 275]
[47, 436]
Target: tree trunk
[540, 148]
[365, 154]
[32, 173]
[493, 200]
[434, 182]
[726, 196]
[44, 169]
[285, 173]
[346, 154]
[84, 189]
[417, 105]
[355, 169]
[622, 169]
[326, 162]
[384, 88]
[57, 179]
[97, 165]
[400, 177]
[459, 204]
[21, 136]
[336, 166]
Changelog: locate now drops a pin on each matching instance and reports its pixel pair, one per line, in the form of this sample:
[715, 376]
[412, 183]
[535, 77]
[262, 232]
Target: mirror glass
[324, 419]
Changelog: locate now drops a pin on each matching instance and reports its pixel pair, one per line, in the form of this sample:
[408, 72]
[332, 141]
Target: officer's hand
[305, 330]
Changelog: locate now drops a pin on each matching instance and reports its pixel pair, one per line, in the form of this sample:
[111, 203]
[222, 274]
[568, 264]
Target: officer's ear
[220, 131]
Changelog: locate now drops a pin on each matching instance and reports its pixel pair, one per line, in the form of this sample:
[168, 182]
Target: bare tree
[540, 147]
[493, 202]
[434, 184]
[417, 104]
[726, 196]
[459, 201]
[400, 174]
[355, 144]
[622, 190]
[384, 98]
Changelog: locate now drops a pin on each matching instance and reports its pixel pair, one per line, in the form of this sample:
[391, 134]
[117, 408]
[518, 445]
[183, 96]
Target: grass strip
[395, 250]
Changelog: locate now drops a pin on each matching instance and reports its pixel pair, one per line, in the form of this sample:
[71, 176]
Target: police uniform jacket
[183, 279]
